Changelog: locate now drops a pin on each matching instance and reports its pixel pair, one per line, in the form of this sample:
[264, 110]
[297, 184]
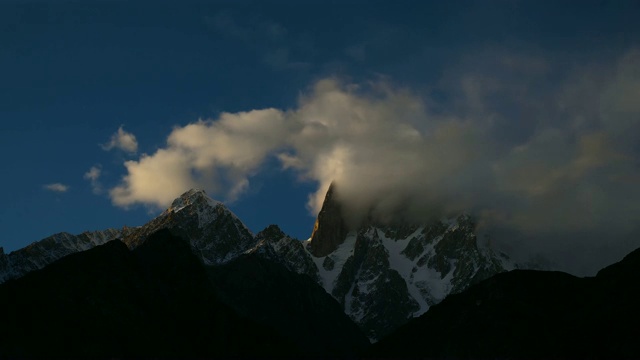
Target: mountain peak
[194, 191]
[271, 232]
[330, 228]
[192, 196]
[214, 232]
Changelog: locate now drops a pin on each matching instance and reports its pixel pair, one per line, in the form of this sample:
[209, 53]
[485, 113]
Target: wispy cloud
[93, 175]
[122, 140]
[56, 187]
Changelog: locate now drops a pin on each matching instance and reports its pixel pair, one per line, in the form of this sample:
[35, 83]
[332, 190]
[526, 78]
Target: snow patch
[430, 280]
[339, 256]
[400, 263]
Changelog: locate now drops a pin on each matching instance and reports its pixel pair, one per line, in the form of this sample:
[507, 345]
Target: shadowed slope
[293, 304]
[108, 301]
[530, 314]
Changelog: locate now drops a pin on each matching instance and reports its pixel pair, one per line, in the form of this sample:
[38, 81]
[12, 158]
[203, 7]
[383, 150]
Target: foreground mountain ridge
[530, 314]
[381, 274]
[111, 301]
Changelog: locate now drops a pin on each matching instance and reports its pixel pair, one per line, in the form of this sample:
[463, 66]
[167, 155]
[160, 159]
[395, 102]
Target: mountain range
[413, 265]
[198, 282]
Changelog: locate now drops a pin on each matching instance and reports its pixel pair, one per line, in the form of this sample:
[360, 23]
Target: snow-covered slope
[385, 274]
[275, 245]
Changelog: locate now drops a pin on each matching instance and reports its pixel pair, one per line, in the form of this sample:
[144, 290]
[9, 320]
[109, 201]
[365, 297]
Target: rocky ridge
[412, 266]
[215, 235]
[41, 253]
[273, 244]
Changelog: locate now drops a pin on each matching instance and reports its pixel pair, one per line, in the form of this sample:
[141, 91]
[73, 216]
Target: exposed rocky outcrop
[330, 228]
[273, 244]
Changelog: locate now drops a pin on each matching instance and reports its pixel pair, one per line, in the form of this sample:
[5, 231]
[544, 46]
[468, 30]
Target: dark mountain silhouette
[294, 305]
[530, 314]
[260, 287]
[156, 300]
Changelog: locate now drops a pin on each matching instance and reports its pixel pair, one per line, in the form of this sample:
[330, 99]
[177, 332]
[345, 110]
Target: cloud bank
[546, 158]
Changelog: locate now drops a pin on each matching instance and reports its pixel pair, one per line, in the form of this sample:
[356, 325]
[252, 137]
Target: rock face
[330, 229]
[276, 246]
[385, 274]
[215, 234]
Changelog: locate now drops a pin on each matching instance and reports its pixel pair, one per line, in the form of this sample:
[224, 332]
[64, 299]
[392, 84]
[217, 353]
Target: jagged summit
[330, 228]
[193, 196]
[194, 192]
[215, 233]
[271, 232]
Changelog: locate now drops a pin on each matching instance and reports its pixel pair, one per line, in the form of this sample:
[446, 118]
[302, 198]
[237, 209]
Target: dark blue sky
[73, 72]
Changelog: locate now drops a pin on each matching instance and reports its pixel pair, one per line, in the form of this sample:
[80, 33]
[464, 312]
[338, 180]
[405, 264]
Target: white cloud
[155, 180]
[218, 156]
[122, 140]
[505, 147]
[56, 187]
[93, 175]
